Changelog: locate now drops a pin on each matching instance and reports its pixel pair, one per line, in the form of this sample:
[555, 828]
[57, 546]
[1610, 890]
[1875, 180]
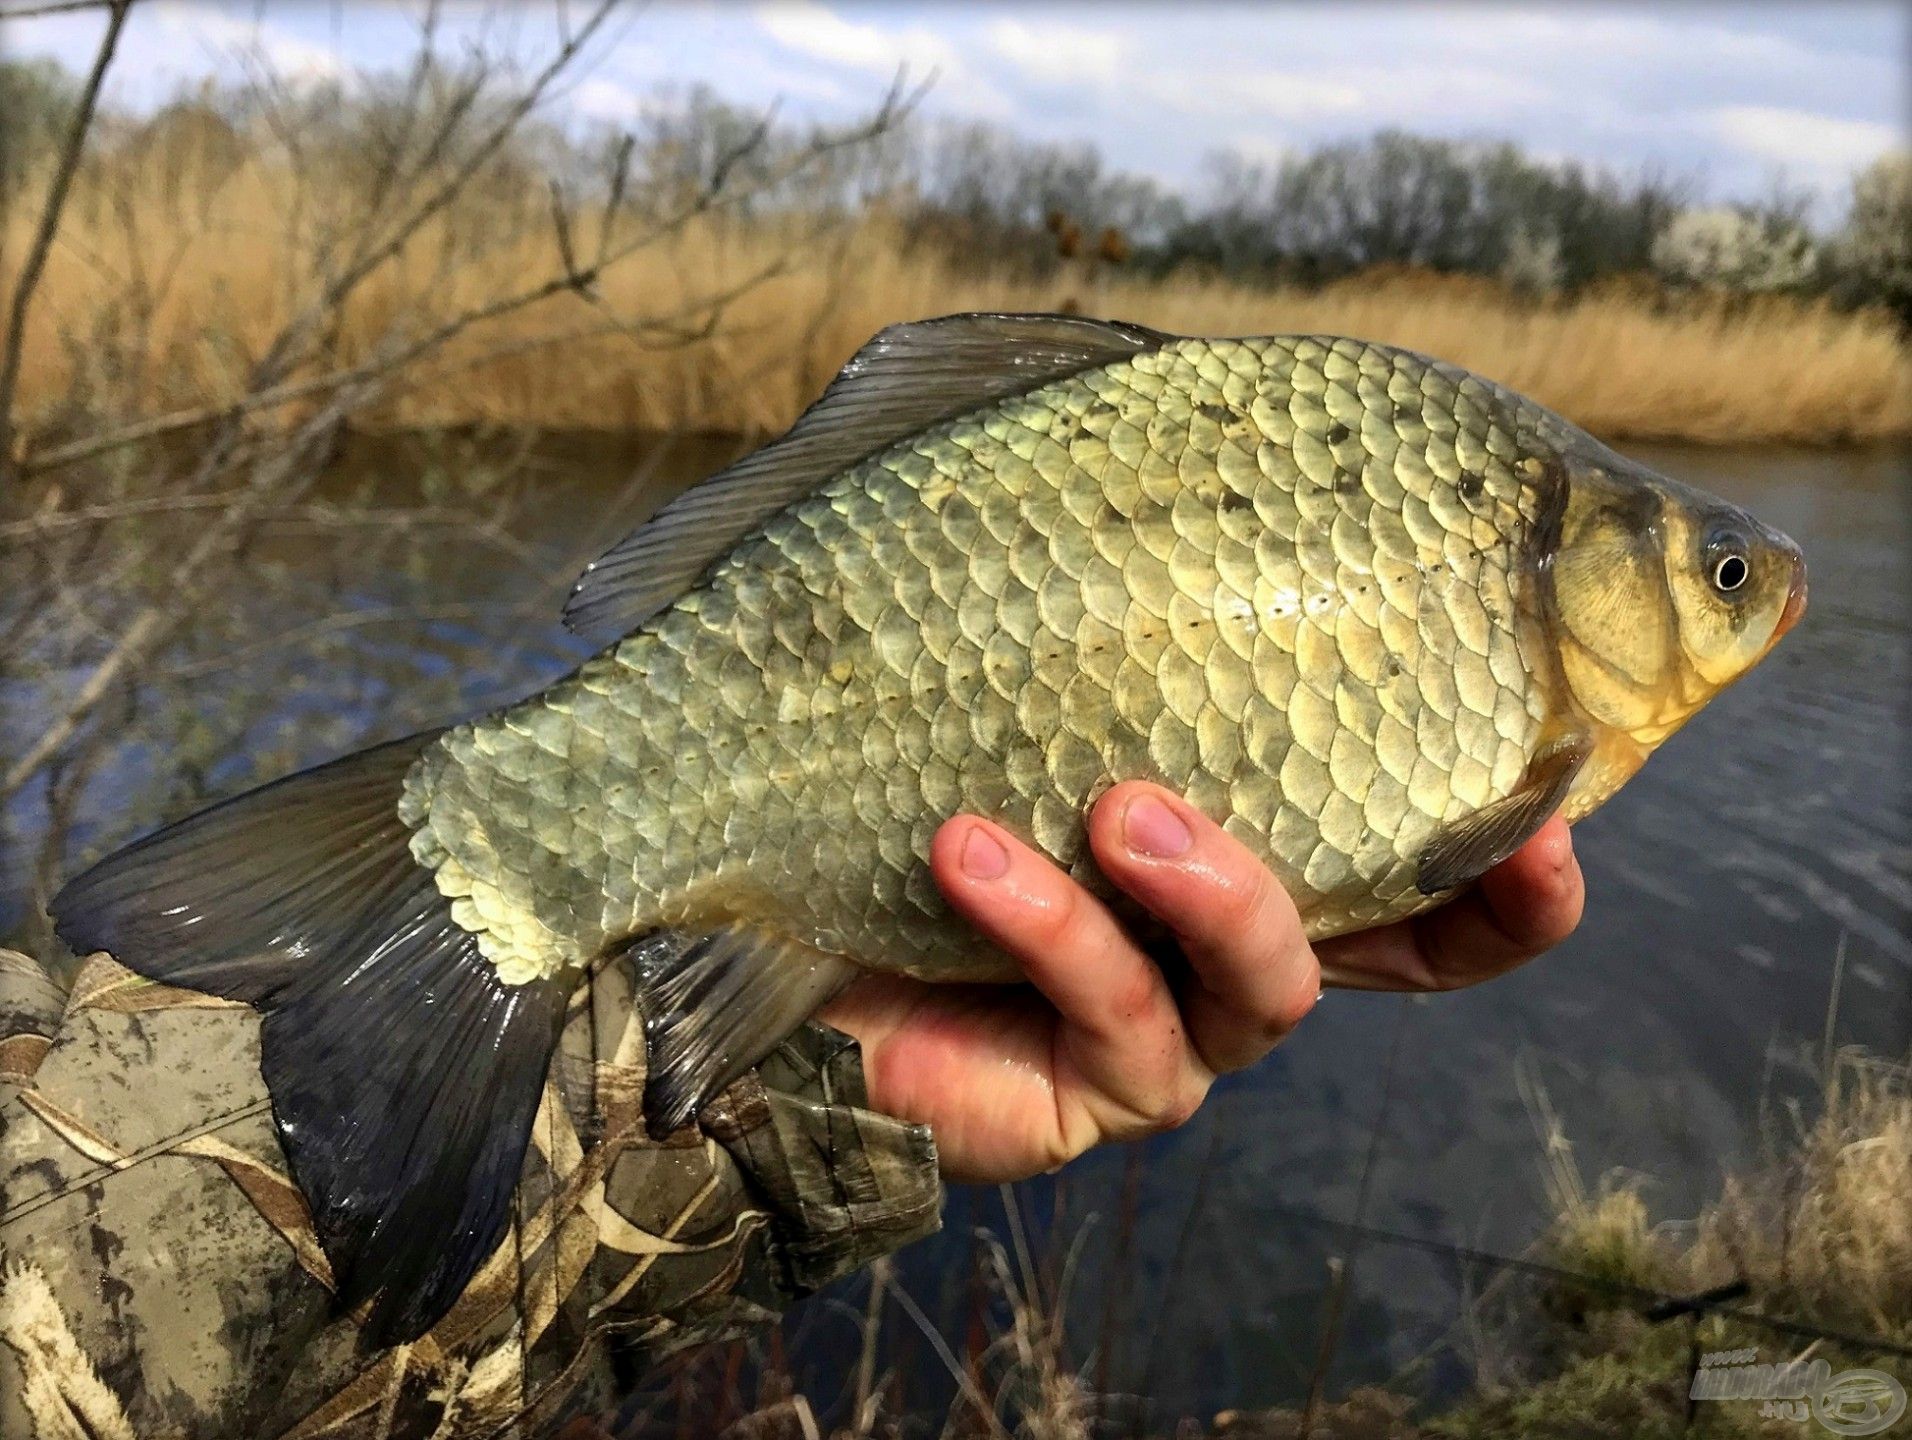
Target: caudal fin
[404, 1074]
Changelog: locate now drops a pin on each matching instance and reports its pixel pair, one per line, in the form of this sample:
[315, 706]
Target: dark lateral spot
[1470, 484]
[1393, 667]
[1404, 412]
[1219, 413]
[1236, 502]
[1098, 407]
[1337, 432]
[1346, 482]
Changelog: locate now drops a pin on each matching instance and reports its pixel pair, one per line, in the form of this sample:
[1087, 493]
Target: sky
[1737, 96]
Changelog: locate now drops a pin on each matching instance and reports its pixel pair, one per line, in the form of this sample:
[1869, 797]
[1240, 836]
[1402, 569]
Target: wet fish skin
[1290, 578]
[1377, 616]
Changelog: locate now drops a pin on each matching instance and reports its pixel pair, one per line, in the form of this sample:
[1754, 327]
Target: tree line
[981, 193]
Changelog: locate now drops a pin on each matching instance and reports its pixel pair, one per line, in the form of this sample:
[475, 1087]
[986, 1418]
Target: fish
[1377, 616]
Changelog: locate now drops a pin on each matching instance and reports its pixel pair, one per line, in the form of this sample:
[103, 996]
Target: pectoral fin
[1466, 849]
[715, 1004]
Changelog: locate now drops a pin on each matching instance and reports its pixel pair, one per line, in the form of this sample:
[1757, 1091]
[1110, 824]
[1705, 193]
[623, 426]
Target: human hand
[1100, 1047]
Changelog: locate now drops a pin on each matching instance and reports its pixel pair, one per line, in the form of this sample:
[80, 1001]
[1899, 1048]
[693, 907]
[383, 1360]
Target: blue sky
[1737, 95]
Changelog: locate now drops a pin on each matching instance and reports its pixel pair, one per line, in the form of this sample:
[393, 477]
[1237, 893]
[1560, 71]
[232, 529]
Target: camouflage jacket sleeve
[159, 1275]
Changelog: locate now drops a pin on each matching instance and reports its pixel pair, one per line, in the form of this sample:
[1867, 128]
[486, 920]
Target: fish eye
[1724, 557]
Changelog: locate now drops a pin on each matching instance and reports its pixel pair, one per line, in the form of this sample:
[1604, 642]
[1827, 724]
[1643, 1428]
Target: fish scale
[1377, 616]
[1229, 566]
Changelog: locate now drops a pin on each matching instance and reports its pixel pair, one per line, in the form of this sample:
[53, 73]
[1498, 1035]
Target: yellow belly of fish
[1280, 577]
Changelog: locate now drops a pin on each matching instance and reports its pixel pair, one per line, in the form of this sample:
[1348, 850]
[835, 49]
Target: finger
[1524, 906]
[974, 1061]
[1123, 1063]
[1255, 974]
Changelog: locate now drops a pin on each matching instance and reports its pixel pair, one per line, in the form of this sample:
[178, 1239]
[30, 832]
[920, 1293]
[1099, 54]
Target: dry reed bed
[163, 284]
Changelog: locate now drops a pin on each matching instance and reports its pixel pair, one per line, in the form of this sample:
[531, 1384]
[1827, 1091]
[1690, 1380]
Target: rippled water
[1772, 834]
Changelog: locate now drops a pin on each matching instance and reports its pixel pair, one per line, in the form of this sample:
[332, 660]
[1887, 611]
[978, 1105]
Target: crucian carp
[1378, 616]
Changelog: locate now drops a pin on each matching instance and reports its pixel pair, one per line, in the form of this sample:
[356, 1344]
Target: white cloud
[1060, 54]
[1802, 139]
[1259, 148]
[602, 99]
[818, 31]
[1251, 92]
[1723, 92]
[815, 30]
[217, 30]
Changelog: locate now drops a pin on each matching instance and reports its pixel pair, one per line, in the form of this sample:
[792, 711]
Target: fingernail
[983, 855]
[1150, 828]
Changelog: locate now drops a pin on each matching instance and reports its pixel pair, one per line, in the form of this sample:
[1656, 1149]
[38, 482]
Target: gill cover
[1661, 595]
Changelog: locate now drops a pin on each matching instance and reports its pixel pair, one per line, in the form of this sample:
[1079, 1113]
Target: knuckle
[1243, 903]
[1137, 995]
[1178, 1105]
[1055, 921]
[1239, 897]
[1292, 1004]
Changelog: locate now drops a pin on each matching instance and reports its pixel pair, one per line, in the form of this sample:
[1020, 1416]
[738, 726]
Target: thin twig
[157, 618]
[49, 225]
[984, 1410]
[864, 1407]
[61, 7]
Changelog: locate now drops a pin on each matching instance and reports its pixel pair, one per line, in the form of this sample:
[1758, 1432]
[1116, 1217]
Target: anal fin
[1466, 849]
[717, 1003]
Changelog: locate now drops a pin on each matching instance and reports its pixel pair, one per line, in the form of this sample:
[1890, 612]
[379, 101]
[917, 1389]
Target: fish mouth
[1795, 601]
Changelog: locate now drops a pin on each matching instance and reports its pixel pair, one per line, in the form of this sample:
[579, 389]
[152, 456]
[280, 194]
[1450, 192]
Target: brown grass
[1820, 1233]
[1826, 1232]
[217, 249]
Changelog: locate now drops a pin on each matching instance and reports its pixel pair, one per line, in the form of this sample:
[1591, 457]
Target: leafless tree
[204, 591]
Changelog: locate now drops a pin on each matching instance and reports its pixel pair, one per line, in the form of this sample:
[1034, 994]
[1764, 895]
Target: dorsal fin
[907, 378]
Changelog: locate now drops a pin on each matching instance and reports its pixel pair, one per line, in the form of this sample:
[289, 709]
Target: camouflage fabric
[159, 1275]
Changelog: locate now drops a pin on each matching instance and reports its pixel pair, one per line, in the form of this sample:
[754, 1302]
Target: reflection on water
[1772, 832]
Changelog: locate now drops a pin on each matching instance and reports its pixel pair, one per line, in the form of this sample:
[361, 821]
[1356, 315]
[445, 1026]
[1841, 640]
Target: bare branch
[69, 162]
[292, 391]
[156, 618]
[561, 228]
[60, 7]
